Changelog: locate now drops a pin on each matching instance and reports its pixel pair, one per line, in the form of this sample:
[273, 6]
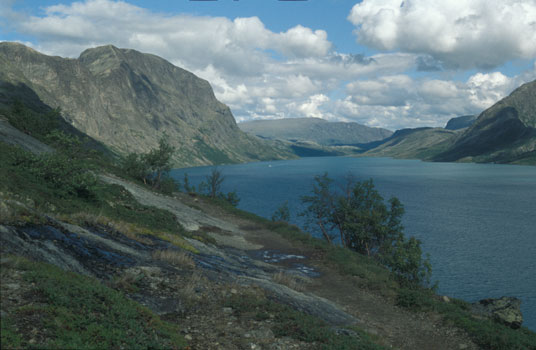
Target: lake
[477, 221]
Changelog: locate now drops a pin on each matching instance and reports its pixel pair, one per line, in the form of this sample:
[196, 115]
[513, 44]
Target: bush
[282, 213]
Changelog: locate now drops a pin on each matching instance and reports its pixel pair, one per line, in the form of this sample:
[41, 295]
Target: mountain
[314, 130]
[418, 143]
[460, 122]
[128, 100]
[504, 133]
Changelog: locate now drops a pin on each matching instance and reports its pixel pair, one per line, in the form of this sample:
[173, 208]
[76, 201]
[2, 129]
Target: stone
[506, 310]
[262, 333]
[188, 337]
[445, 298]
[227, 310]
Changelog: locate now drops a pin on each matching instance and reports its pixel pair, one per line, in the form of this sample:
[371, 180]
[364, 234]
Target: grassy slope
[421, 143]
[485, 333]
[56, 294]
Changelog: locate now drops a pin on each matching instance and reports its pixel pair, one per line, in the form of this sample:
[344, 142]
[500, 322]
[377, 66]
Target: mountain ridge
[320, 131]
[128, 100]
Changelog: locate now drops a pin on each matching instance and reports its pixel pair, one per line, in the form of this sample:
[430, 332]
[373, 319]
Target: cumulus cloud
[461, 34]
[402, 101]
[236, 46]
[305, 77]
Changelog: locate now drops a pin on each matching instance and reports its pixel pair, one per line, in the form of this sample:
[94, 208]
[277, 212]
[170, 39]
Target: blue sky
[386, 63]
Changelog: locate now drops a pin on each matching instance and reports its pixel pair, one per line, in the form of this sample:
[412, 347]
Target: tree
[214, 182]
[152, 168]
[319, 211]
[282, 213]
[367, 226]
[158, 161]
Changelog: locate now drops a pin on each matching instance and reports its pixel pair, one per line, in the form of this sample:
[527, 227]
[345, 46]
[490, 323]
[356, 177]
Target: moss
[78, 312]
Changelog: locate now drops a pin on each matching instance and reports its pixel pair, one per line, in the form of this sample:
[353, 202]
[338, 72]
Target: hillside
[503, 133]
[460, 122]
[94, 260]
[314, 130]
[128, 100]
[419, 143]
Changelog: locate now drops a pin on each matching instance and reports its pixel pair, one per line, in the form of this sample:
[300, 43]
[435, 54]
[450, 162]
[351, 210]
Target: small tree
[320, 206]
[158, 161]
[282, 213]
[214, 182]
[152, 168]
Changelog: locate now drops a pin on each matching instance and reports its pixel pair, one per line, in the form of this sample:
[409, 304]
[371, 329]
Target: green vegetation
[376, 277]
[211, 188]
[152, 168]
[295, 324]
[72, 311]
[365, 225]
[282, 213]
[38, 125]
[485, 333]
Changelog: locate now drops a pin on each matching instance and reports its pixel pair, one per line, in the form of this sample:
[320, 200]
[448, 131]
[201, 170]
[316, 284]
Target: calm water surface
[477, 221]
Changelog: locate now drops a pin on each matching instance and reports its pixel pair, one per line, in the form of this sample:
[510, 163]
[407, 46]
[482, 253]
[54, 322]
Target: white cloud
[308, 78]
[401, 101]
[461, 34]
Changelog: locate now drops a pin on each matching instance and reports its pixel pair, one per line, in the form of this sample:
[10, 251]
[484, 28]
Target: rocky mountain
[128, 100]
[314, 130]
[460, 122]
[418, 143]
[504, 133]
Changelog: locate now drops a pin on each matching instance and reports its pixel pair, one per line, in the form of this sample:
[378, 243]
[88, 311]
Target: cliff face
[128, 100]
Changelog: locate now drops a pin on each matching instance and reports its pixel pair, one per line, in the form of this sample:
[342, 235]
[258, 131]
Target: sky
[382, 63]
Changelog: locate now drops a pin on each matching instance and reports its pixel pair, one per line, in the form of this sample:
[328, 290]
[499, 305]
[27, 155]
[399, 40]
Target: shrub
[282, 213]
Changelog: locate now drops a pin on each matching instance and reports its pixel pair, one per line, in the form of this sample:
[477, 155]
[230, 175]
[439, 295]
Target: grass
[77, 312]
[297, 325]
[174, 257]
[485, 333]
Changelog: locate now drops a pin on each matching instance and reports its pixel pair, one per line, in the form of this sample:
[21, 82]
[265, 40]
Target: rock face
[128, 100]
[316, 130]
[504, 310]
[505, 132]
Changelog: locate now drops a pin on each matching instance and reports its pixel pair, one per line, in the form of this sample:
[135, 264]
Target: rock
[227, 310]
[445, 298]
[506, 310]
[188, 337]
[262, 333]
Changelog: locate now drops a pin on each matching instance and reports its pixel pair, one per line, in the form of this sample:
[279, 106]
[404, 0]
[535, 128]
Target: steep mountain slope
[419, 143]
[316, 130]
[460, 122]
[128, 100]
[505, 132]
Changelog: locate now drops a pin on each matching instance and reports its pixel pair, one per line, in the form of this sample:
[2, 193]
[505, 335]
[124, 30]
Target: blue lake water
[477, 221]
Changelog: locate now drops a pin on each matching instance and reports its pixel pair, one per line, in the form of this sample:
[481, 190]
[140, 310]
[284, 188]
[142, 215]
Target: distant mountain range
[127, 100]
[314, 130]
[504, 133]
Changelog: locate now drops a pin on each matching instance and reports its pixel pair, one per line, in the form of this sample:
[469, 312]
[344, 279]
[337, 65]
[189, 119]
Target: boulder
[506, 310]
